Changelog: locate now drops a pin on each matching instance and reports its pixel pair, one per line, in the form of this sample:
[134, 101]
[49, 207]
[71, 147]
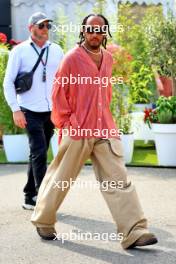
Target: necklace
[95, 53]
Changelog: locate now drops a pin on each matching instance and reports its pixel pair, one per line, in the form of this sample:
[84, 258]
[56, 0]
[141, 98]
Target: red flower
[129, 57]
[150, 116]
[3, 38]
[147, 112]
[14, 42]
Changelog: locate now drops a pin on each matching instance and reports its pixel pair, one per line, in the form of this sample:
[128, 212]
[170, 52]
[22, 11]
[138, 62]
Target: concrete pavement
[83, 211]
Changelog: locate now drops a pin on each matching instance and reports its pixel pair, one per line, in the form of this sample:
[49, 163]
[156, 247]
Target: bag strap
[39, 59]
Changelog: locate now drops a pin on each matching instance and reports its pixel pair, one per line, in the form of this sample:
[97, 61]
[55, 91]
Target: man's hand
[19, 119]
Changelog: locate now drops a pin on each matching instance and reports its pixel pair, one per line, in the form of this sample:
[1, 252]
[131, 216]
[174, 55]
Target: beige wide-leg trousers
[107, 158]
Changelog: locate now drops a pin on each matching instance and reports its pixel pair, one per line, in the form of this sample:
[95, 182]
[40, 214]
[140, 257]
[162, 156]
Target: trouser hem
[132, 237]
[42, 225]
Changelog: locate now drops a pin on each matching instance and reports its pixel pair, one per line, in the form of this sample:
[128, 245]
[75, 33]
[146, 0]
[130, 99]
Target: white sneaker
[29, 203]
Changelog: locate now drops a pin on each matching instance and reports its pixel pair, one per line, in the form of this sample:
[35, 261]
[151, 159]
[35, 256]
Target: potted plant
[121, 104]
[120, 108]
[162, 120]
[15, 142]
[141, 78]
[134, 39]
[140, 81]
[127, 136]
[140, 93]
[162, 39]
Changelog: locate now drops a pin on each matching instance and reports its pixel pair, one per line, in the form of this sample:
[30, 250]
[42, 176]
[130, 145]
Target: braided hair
[81, 35]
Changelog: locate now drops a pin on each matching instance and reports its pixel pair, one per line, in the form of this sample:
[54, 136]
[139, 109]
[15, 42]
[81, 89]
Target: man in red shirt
[83, 107]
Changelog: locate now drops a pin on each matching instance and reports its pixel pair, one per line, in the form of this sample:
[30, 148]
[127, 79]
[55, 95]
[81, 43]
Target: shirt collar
[47, 43]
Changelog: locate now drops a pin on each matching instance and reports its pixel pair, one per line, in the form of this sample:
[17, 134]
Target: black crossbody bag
[23, 81]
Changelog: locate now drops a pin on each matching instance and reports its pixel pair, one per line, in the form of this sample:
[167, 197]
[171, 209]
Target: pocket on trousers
[116, 146]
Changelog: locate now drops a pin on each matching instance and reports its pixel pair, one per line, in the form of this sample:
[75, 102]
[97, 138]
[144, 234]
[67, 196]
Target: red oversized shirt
[83, 105]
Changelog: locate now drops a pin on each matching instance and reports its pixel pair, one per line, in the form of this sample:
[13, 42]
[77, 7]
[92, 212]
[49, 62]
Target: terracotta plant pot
[167, 84]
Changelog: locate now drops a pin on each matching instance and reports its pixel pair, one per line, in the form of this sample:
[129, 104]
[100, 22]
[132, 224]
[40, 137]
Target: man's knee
[39, 153]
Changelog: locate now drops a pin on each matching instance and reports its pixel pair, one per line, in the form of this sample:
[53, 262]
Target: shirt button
[99, 104]
[99, 119]
[99, 88]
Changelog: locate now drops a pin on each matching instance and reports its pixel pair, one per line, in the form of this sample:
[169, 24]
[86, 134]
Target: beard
[94, 45]
[40, 37]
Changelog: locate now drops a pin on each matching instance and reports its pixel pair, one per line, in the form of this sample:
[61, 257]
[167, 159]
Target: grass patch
[2, 156]
[144, 154]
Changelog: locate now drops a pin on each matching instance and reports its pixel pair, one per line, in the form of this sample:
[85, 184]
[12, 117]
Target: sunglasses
[97, 30]
[42, 26]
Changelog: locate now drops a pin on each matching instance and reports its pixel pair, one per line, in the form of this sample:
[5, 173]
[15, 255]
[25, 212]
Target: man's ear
[30, 28]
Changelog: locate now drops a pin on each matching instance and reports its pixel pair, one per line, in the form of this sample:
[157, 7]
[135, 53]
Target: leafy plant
[140, 85]
[120, 108]
[122, 62]
[163, 47]
[165, 112]
[99, 6]
[124, 123]
[120, 105]
[135, 40]
[173, 103]
[66, 33]
[6, 121]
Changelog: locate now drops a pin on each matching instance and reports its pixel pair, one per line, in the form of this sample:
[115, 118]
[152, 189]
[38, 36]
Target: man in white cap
[32, 108]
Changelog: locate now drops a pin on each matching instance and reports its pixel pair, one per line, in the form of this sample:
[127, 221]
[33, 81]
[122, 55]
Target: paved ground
[84, 210]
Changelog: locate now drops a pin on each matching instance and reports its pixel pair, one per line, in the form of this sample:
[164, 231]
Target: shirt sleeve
[12, 70]
[62, 115]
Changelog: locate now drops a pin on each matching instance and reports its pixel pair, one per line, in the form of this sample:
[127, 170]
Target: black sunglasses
[42, 25]
[97, 30]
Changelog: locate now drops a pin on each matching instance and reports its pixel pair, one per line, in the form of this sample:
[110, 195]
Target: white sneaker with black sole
[29, 203]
